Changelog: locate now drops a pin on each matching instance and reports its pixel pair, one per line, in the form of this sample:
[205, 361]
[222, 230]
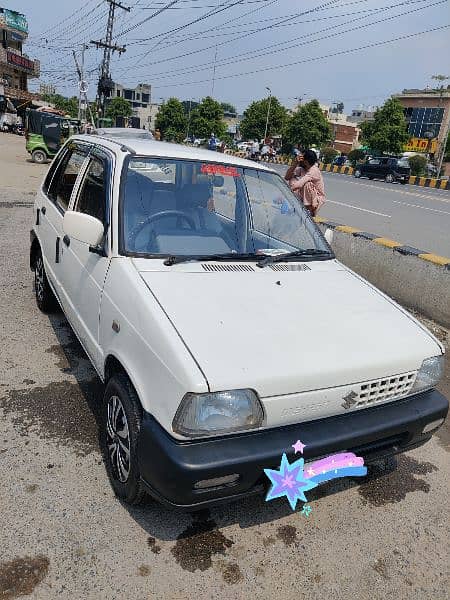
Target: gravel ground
[65, 535]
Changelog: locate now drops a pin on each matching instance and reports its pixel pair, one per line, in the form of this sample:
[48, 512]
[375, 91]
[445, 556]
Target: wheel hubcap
[118, 439]
[39, 278]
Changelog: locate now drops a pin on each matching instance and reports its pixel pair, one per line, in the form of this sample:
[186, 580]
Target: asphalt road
[414, 215]
[65, 535]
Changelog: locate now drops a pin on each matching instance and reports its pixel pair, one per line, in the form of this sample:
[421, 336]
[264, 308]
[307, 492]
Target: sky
[332, 50]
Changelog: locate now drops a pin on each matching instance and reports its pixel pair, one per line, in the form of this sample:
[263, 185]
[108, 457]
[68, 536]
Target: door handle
[66, 240]
[43, 210]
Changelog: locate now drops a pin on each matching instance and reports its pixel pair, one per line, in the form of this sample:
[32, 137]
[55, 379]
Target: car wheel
[39, 156]
[357, 173]
[389, 178]
[370, 177]
[45, 298]
[120, 426]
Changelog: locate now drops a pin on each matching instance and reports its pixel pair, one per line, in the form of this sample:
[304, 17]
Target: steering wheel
[165, 214]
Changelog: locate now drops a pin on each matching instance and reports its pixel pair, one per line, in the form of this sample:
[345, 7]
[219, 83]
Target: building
[140, 98]
[16, 67]
[345, 134]
[428, 115]
[361, 115]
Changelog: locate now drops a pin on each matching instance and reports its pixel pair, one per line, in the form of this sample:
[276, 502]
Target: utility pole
[82, 84]
[268, 113]
[439, 159]
[105, 83]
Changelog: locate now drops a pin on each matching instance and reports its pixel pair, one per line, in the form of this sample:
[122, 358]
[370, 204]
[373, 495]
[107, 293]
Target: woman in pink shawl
[305, 180]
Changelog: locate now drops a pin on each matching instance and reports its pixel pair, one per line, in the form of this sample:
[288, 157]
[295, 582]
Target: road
[416, 216]
[64, 534]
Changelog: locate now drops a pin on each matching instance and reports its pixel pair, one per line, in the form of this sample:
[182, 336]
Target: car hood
[287, 332]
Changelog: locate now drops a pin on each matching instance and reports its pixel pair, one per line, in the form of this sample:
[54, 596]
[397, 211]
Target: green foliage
[387, 133]
[418, 164]
[118, 107]
[328, 154]
[172, 121]
[228, 108]
[355, 156]
[188, 106]
[253, 124]
[207, 118]
[67, 105]
[308, 126]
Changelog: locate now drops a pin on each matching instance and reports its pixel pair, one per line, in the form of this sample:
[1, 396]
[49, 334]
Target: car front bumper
[170, 468]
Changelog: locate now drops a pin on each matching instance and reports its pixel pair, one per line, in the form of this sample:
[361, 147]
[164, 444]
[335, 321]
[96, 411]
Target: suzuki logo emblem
[349, 400]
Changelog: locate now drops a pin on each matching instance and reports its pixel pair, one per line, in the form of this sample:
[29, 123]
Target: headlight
[429, 374]
[217, 413]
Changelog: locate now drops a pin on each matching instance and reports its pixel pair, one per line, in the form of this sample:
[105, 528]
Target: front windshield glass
[183, 208]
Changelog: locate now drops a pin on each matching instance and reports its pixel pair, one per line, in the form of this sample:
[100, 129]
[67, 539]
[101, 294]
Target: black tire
[403, 182]
[121, 418]
[357, 173]
[45, 298]
[389, 178]
[370, 177]
[39, 156]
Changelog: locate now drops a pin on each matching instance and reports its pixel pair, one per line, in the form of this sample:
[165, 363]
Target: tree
[418, 164]
[253, 123]
[171, 120]
[308, 126]
[328, 154]
[207, 118]
[188, 106]
[388, 132]
[355, 156]
[69, 106]
[228, 108]
[118, 107]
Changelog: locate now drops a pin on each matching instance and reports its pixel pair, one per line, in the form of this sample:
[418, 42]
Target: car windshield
[173, 207]
[403, 162]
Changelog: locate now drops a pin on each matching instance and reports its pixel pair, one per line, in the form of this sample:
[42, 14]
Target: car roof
[159, 149]
[123, 132]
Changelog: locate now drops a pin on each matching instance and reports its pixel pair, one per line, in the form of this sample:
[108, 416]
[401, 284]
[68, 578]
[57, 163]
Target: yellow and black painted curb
[403, 249]
[429, 182]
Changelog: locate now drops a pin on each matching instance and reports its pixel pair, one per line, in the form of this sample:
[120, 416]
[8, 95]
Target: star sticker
[306, 510]
[298, 447]
[311, 471]
[289, 481]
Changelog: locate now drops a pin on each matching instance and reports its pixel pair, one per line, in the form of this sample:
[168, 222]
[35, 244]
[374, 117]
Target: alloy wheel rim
[39, 279]
[118, 439]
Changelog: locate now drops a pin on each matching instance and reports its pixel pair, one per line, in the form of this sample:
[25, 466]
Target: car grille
[215, 267]
[290, 267]
[380, 390]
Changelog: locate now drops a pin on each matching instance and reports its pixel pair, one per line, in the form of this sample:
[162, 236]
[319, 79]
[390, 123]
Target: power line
[312, 59]
[228, 61]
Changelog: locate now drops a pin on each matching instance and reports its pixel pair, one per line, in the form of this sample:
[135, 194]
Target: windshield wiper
[174, 260]
[310, 252]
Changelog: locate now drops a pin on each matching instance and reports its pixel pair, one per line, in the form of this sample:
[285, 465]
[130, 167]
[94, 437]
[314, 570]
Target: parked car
[124, 133]
[187, 276]
[384, 167]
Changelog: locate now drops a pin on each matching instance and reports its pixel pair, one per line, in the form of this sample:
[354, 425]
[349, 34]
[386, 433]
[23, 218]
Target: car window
[65, 177]
[55, 164]
[92, 198]
[374, 161]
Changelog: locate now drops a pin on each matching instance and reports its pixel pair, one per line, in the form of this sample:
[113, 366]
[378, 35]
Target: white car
[220, 321]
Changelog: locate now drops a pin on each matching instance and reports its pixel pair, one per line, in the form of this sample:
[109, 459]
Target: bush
[355, 156]
[418, 164]
[328, 154]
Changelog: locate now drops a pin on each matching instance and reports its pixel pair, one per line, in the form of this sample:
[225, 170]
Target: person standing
[212, 144]
[305, 180]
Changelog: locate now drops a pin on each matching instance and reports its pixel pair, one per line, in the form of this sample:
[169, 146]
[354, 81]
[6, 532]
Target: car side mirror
[83, 228]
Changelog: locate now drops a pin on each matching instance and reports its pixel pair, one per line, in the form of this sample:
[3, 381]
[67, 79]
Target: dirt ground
[65, 535]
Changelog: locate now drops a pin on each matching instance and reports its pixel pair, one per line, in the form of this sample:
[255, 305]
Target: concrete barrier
[414, 278]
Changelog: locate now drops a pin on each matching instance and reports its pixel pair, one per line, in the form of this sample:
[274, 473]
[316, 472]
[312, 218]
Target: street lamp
[268, 113]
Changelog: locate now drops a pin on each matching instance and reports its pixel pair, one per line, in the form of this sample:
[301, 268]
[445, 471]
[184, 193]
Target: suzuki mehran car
[220, 321]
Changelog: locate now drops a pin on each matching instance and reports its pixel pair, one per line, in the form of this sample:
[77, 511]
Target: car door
[55, 197]
[83, 271]
[370, 167]
[384, 168]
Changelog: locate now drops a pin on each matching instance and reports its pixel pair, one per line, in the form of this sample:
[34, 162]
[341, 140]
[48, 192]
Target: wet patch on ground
[231, 572]
[68, 353]
[287, 534]
[386, 485]
[63, 412]
[198, 543]
[20, 576]
[151, 543]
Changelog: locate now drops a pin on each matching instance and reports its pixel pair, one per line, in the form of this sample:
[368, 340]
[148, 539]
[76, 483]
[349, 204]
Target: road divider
[430, 182]
[413, 277]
